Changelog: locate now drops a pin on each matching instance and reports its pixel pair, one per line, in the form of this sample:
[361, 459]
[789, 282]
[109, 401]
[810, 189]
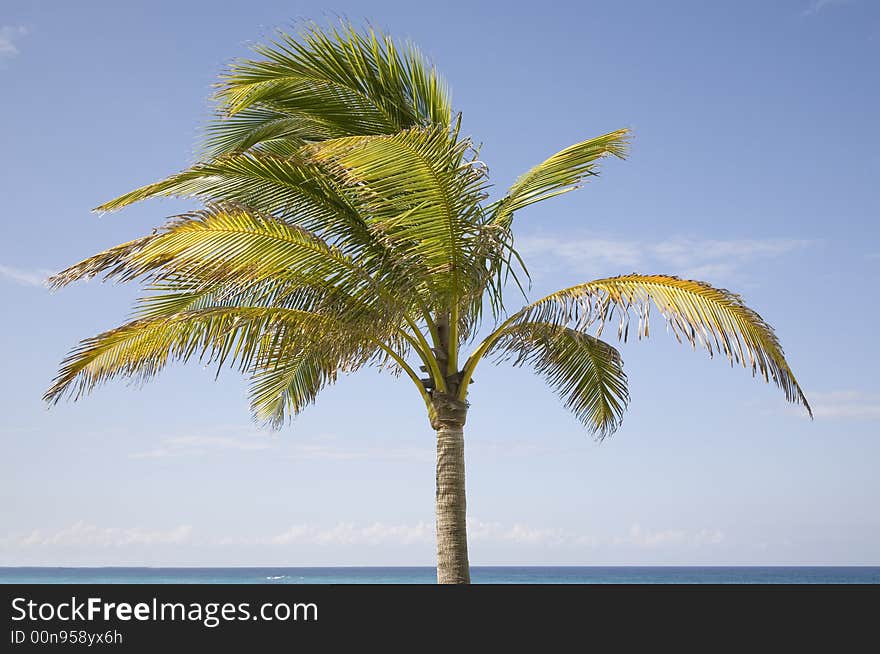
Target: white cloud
[577, 251]
[9, 34]
[328, 449]
[84, 534]
[193, 445]
[333, 448]
[518, 533]
[818, 5]
[686, 257]
[378, 533]
[346, 533]
[707, 271]
[293, 447]
[685, 251]
[646, 538]
[24, 277]
[845, 404]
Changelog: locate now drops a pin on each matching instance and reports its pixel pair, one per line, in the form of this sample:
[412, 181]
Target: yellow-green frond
[227, 243]
[695, 311]
[240, 336]
[113, 263]
[561, 173]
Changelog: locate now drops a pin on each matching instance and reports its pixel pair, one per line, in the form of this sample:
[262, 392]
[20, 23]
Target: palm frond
[179, 293]
[328, 84]
[296, 190]
[695, 311]
[422, 199]
[235, 335]
[261, 130]
[561, 173]
[286, 389]
[113, 263]
[290, 375]
[228, 243]
[290, 188]
[586, 372]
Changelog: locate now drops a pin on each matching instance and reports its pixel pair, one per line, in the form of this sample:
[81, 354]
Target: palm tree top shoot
[345, 223]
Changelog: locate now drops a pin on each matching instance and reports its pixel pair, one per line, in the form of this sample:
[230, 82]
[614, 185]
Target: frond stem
[478, 354]
[421, 345]
[410, 373]
[452, 362]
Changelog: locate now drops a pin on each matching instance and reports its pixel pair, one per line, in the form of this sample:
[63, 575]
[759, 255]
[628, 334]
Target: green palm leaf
[289, 187]
[586, 372]
[261, 130]
[422, 198]
[335, 84]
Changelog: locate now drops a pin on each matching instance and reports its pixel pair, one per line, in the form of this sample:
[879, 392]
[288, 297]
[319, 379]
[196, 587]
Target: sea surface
[426, 575]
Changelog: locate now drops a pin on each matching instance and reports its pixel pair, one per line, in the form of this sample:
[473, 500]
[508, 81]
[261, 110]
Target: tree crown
[346, 222]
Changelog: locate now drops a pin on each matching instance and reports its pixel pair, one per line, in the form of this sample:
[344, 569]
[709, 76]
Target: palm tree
[346, 224]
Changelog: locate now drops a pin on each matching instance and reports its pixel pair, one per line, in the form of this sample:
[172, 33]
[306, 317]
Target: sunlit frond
[586, 372]
[299, 192]
[695, 311]
[239, 336]
[186, 293]
[228, 243]
[113, 263]
[561, 173]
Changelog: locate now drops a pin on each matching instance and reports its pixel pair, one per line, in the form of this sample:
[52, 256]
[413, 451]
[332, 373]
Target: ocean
[426, 575]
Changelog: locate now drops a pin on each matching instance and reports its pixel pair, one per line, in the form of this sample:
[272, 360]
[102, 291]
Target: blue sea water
[427, 575]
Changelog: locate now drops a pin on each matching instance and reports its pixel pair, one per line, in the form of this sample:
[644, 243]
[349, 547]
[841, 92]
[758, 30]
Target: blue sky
[753, 166]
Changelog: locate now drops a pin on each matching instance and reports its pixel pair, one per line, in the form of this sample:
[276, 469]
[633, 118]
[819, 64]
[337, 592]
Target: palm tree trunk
[452, 556]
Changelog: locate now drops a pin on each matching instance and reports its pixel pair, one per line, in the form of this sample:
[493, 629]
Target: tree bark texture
[452, 554]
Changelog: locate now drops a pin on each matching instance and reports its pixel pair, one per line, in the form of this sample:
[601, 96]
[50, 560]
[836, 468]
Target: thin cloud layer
[196, 444]
[327, 447]
[82, 534]
[816, 6]
[647, 538]
[846, 404]
[9, 36]
[378, 533]
[686, 257]
[346, 533]
[24, 277]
